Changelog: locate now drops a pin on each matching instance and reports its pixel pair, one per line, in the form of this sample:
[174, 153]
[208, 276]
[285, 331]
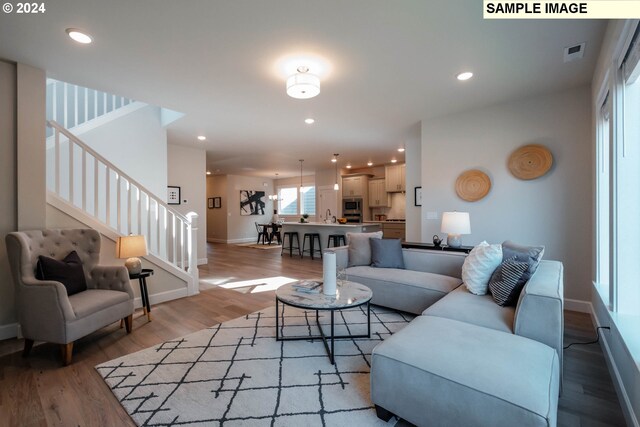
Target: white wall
[8, 195]
[554, 210]
[242, 228]
[413, 156]
[186, 168]
[136, 144]
[217, 218]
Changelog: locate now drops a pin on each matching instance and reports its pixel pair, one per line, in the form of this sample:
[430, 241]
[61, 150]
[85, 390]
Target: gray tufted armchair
[45, 311]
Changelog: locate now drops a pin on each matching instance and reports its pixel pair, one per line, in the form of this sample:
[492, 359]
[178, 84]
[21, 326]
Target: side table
[144, 294]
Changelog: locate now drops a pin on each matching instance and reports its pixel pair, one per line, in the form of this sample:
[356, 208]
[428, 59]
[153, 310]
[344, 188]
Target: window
[288, 201]
[297, 200]
[308, 200]
[602, 195]
[618, 185]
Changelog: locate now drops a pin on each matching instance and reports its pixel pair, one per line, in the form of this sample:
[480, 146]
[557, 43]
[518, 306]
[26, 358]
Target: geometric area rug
[237, 374]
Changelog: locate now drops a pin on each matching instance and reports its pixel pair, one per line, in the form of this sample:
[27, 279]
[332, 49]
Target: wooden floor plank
[39, 391]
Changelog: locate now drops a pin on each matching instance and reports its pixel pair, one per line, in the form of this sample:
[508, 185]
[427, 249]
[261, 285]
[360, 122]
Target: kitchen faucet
[328, 214]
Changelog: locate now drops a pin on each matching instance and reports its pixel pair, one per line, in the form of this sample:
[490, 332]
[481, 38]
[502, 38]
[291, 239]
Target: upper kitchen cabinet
[395, 178]
[378, 196]
[354, 186]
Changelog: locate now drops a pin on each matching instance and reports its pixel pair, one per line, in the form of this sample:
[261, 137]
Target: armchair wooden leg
[67, 353]
[28, 345]
[128, 323]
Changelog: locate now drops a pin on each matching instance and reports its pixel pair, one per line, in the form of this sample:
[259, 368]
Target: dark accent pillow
[504, 283]
[386, 253]
[529, 254]
[69, 272]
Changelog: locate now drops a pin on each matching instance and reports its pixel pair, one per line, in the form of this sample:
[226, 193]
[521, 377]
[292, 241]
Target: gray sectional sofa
[465, 361]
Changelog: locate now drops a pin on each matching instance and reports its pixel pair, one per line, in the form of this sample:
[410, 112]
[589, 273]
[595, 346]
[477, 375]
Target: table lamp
[455, 224]
[131, 247]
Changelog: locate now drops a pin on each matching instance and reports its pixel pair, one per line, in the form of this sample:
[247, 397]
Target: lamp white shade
[131, 246]
[303, 86]
[455, 223]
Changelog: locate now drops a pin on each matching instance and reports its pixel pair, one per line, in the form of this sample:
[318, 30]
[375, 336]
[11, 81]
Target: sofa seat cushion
[439, 371]
[406, 290]
[93, 300]
[479, 310]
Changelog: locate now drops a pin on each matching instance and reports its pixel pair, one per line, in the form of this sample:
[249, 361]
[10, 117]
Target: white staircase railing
[84, 180]
[72, 105]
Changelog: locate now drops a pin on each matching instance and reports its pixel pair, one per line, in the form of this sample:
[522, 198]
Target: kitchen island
[326, 229]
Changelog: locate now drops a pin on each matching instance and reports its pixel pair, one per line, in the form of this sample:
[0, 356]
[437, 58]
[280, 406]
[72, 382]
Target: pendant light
[335, 160]
[301, 160]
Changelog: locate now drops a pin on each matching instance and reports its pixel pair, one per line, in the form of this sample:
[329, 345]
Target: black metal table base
[328, 340]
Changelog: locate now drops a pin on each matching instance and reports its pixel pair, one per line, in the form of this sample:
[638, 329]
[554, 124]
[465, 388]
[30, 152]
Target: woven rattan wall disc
[473, 185]
[530, 161]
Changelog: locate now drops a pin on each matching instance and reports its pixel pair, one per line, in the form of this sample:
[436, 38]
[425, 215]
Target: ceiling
[384, 66]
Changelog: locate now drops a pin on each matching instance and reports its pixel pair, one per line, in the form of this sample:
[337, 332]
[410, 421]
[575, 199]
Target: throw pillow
[69, 272]
[479, 265]
[532, 255]
[360, 248]
[386, 253]
[504, 282]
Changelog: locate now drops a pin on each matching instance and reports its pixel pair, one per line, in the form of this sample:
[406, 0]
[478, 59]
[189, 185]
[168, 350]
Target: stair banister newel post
[192, 245]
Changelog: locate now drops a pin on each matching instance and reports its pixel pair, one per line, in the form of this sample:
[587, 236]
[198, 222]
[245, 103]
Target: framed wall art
[417, 196]
[252, 202]
[173, 195]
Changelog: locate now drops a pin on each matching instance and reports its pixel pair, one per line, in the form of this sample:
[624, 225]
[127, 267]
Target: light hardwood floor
[39, 391]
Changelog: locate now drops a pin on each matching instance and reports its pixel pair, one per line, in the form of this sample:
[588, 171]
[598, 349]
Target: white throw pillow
[479, 266]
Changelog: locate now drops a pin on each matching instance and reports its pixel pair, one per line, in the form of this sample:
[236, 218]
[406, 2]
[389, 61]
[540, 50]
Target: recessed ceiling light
[79, 36]
[464, 76]
[309, 121]
[348, 166]
[370, 164]
[202, 138]
[208, 172]
[401, 150]
[393, 160]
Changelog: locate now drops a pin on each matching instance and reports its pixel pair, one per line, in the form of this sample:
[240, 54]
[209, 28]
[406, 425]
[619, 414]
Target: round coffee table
[348, 295]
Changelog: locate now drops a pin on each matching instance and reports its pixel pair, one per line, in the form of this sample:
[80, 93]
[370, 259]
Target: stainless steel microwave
[351, 205]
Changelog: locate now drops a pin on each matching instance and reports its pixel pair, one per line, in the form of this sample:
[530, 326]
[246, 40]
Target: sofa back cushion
[360, 248]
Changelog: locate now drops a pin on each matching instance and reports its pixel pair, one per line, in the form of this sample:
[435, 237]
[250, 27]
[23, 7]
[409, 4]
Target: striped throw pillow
[504, 282]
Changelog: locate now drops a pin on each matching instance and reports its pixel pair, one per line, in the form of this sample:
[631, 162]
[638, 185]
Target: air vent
[571, 53]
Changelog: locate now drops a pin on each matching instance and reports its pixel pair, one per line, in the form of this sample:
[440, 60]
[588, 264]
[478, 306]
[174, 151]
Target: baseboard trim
[618, 384]
[202, 261]
[578, 305]
[162, 297]
[214, 240]
[12, 330]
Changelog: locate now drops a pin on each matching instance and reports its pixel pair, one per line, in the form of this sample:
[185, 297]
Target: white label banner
[562, 9]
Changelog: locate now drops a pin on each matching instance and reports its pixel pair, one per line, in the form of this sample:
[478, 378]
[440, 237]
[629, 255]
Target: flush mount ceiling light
[309, 121]
[303, 85]
[202, 138]
[79, 36]
[464, 76]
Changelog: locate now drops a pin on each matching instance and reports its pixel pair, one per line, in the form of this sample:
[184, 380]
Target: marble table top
[349, 294]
